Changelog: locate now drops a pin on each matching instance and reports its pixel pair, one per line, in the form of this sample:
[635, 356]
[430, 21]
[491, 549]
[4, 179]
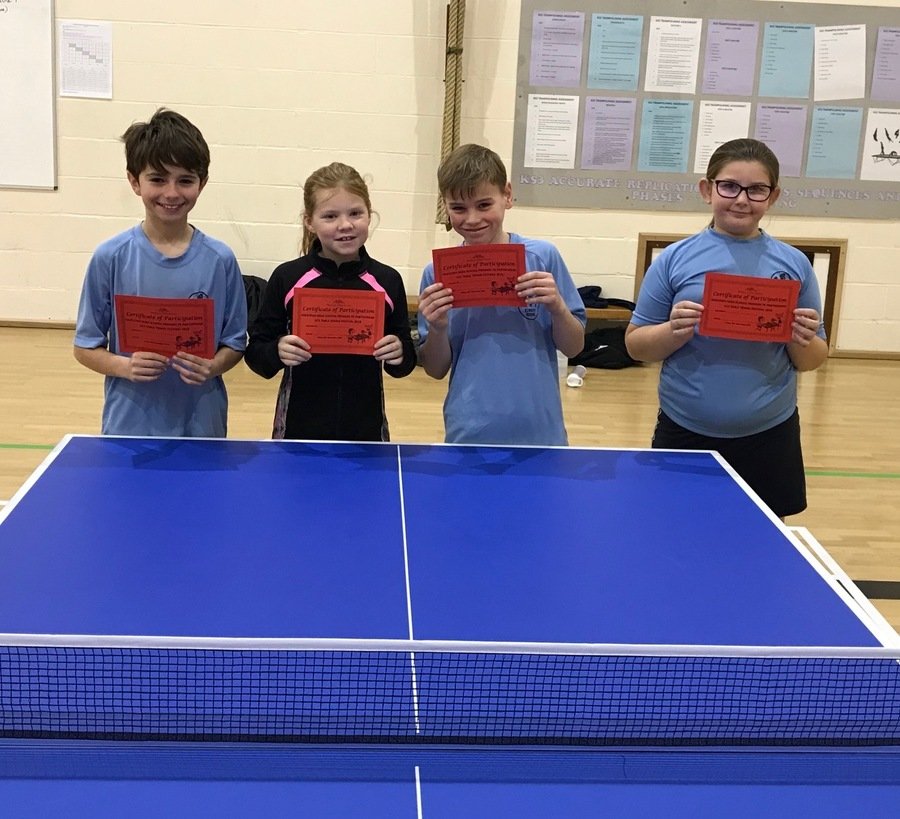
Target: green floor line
[46, 447]
[827, 473]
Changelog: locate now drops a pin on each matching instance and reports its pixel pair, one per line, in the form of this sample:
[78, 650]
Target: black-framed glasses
[728, 189]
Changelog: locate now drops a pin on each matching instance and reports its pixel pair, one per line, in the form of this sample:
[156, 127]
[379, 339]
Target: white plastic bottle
[562, 365]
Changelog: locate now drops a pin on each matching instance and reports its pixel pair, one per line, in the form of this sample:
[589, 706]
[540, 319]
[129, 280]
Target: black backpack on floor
[605, 348]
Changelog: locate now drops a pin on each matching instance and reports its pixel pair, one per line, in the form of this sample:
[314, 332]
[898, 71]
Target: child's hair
[335, 175]
[744, 150]
[167, 139]
[467, 167]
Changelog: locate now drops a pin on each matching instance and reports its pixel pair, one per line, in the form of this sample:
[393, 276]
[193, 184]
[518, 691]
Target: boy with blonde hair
[504, 384]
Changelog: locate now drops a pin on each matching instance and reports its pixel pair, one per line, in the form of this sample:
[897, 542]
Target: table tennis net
[446, 697]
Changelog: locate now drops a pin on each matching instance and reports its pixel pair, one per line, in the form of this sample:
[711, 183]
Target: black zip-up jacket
[329, 397]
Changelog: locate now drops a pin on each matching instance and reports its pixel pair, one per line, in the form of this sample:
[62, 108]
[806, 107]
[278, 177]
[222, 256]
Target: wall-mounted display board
[620, 103]
[27, 99]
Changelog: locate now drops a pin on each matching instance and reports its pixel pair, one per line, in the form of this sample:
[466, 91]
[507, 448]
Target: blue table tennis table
[139, 578]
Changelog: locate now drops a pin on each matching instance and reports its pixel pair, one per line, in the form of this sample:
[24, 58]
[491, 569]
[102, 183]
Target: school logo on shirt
[530, 312]
[199, 294]
[783, 275]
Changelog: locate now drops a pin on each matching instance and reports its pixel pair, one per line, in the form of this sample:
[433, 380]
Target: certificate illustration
[481, 275]
[338, 321]
[165, 326]
[748, 308]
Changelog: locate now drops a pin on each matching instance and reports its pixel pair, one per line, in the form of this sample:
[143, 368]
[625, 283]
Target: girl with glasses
[736, 397]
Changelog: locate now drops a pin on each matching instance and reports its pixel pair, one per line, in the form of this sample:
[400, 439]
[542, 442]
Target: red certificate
[481, 275]
[166, 326]
[748, 308]
[338, 321]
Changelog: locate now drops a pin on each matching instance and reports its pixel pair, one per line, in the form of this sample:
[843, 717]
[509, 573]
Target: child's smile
[341, 223]
[739, 216]
[169, 194]
[478, 217]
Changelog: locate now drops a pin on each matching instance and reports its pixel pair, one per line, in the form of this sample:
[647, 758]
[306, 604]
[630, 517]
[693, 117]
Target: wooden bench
[593, 313]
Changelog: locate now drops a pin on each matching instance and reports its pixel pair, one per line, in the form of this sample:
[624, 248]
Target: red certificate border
[301, 325]
[462, 298]
[713, 323]
[196, 309]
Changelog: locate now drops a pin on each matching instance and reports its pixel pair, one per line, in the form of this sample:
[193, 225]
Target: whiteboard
[27, 99]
